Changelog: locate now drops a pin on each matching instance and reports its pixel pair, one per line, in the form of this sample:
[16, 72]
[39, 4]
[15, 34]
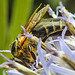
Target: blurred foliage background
[14, 13]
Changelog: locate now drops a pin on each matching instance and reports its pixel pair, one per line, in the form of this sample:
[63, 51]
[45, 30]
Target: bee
[25, 48]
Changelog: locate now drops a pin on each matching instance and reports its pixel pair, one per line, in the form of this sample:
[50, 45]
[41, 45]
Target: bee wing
[35, 18]
[32, 16]
[49, 22]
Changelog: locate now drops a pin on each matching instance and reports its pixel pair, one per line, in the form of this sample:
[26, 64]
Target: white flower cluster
[64, 46]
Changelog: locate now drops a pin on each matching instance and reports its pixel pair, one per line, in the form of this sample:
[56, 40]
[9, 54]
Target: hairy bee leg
[22, 63]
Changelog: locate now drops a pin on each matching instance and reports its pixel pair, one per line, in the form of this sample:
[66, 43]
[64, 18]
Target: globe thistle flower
[47, 63]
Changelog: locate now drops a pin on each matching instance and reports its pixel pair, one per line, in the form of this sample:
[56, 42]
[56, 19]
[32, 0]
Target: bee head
[16, 45]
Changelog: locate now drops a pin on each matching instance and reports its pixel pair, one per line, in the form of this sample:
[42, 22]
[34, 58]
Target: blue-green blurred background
[14, 13]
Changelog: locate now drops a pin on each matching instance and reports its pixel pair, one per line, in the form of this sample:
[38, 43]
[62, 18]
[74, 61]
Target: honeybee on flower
[55, 57]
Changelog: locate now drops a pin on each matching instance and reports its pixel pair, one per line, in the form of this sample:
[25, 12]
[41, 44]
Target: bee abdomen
[47, 27]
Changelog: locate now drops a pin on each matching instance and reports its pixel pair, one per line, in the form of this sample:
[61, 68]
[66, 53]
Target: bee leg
[20, 62]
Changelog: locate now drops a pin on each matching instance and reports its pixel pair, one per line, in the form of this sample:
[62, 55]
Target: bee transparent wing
[35, 18]
[32, 16]
[50, 22]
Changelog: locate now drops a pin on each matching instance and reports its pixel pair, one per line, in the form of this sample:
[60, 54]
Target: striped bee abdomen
[48, 27]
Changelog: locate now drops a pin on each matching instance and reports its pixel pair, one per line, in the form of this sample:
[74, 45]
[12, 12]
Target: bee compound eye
[13, 46]
[17, 38]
